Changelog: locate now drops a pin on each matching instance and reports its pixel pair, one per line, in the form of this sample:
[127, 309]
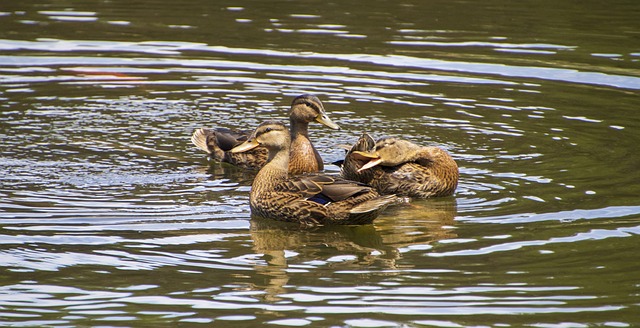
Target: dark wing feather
[305, 187]
[343, 189]
[227, 139]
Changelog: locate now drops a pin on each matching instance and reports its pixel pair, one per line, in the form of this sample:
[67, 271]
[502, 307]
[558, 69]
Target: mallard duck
[396, 166]
[307, 199]
[303, 156]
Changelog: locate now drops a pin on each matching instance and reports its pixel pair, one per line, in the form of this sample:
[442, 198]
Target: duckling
[303, 155]
[307, 199]
[396, 166]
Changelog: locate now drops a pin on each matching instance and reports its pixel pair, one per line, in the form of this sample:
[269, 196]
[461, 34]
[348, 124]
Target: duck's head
[272, 135]
[308, 108]
[388, 152]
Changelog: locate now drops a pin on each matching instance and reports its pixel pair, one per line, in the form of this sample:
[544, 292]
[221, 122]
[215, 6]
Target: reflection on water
[109, 215]
[412, 227]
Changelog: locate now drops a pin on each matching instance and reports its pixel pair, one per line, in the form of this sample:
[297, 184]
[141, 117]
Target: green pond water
[109, 216]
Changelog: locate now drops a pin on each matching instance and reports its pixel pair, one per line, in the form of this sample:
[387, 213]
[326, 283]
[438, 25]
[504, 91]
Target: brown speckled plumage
[403, 168]
[303, 156]
[218, 143]
[306, 199]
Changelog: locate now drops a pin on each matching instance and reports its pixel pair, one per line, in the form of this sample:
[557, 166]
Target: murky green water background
[110, 217]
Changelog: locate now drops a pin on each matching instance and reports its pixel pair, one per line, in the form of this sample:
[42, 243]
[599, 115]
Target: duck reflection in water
[357, 248]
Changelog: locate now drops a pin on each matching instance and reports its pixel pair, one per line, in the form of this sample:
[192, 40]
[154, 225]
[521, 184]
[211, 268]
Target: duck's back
[413, 180]
[318, 199]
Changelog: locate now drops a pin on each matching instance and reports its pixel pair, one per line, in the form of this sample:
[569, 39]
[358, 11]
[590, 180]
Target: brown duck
[303, 156]
[306, 199]
[396, 166]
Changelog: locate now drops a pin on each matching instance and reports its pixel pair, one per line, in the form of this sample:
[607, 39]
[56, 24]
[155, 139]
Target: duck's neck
[274, 171]
[299, 129]
[304, 157]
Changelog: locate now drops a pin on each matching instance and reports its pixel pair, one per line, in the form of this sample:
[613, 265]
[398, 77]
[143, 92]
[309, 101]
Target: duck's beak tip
[325, 120]
[373, 162]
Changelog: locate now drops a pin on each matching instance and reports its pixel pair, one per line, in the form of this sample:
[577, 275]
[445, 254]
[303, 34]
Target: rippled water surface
[110, 217]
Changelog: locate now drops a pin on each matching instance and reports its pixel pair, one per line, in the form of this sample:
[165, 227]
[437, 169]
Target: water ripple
[172, 48]
[108, 215]
[564, 216]
[592, 235]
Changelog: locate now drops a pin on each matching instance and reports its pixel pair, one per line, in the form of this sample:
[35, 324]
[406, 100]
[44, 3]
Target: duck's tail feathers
[199, 138]
[368, 211]
[376, 204]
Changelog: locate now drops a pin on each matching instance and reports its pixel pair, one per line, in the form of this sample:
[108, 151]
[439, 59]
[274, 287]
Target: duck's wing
[227, 139]
[302, 185]
[323, 188]
[342, 189]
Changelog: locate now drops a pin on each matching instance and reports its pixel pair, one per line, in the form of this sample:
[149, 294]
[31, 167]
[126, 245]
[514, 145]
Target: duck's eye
[267, 130]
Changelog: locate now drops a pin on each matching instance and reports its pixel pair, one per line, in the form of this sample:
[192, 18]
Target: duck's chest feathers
[303, 157]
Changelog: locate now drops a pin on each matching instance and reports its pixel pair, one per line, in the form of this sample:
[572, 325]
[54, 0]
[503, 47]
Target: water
[110, 217]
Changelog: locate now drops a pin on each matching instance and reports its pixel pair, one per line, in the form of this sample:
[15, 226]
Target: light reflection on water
[173, 48]
[108, 214]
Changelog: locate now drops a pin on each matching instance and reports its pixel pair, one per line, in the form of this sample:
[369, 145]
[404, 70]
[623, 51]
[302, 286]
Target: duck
[310, 199]
[303, 156]
[396, 166]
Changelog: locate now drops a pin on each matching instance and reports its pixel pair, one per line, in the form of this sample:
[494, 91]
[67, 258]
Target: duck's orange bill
[245, 146]
[363, 156]
[373, 162]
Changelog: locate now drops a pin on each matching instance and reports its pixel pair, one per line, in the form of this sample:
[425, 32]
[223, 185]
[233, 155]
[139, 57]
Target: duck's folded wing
[227, 139]
[322, 188]
[303, 186]
[343, 189]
